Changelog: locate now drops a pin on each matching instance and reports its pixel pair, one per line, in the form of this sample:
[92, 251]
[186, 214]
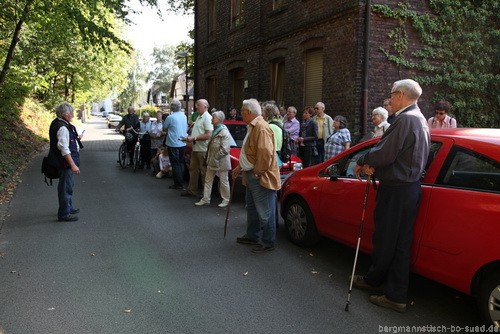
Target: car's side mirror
[333, 172]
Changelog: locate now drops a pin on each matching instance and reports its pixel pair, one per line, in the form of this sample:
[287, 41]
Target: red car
[238, 130]
[456, 238]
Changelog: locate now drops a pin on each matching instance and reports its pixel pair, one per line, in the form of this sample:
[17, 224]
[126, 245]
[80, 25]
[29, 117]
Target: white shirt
[244, 163]
[202, 124]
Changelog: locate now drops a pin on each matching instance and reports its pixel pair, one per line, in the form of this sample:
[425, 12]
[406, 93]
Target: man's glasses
[440, 112]
[316, 108]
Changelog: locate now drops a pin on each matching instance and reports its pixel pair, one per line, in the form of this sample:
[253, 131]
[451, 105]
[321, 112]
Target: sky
[150, 31]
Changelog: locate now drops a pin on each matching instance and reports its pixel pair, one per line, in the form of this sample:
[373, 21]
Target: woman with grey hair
[379, 119]
[218, 161]
[271, 114]
[339, 140]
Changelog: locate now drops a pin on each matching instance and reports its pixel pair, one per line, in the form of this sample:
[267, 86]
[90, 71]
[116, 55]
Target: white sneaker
[201, 203]
[224, 204]
[159, 175]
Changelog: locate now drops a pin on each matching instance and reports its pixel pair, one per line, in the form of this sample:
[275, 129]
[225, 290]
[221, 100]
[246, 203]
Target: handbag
[49, 170]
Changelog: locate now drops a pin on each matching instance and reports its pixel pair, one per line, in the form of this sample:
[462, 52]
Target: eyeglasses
[396, 91]
[440, 112]
[315, 108]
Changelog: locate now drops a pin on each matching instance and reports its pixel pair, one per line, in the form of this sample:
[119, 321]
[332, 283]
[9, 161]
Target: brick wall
[335, 26]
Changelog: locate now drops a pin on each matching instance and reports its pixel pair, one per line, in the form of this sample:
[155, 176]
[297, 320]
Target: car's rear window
[238, 131]
[464, 168]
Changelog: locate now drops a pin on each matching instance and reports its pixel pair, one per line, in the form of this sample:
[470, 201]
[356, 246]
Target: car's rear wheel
[299, 223]
[489, 299]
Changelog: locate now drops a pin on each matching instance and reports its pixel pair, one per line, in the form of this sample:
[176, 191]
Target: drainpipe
[364, 121]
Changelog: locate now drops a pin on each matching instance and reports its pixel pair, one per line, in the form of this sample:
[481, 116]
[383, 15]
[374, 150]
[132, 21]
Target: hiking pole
[360, 232]
[229, 204]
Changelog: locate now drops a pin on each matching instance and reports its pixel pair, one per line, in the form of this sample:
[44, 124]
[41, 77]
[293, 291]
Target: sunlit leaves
[459, 54]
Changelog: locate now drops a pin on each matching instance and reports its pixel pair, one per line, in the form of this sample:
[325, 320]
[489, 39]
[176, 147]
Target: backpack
[49, 170]
[286, 149]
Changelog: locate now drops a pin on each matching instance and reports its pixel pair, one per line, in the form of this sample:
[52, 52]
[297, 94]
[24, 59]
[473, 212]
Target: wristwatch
[256, 175]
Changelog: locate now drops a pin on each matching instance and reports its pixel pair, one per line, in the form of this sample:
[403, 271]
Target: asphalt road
[143, 259]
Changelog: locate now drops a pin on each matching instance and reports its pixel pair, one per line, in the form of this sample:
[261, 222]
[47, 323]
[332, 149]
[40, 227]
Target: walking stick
[229, 204]
[360, 232]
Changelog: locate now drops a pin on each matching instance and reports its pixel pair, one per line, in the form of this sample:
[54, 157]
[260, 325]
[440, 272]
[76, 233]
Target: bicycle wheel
[122, 155]
[137, 158]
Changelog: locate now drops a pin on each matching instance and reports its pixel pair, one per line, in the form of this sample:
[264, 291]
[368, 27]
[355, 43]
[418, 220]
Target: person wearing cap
[144, 130]
[339, 140]
[379, 119]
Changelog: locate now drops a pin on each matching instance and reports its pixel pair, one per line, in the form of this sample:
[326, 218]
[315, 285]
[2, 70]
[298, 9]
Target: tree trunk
[15, 40]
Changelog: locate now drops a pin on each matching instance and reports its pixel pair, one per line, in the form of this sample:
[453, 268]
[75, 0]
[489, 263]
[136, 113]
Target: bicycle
[137, 153]
[123, 153]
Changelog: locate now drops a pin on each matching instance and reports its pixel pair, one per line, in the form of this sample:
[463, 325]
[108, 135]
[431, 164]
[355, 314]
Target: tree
[183, 7]
[137, 78]
[164, 67]
[89, 19]
[459, 54]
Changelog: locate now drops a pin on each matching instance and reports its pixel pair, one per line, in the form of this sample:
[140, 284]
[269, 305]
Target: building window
[236, 12]
[278, 82]
[211, 90]
[277, 4]
[313, 77]
[212, 19]
[238, 82]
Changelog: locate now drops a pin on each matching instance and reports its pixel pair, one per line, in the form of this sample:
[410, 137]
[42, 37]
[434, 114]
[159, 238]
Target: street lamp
[186, 96]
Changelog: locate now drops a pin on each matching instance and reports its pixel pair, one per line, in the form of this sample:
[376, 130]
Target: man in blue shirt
[176, 127]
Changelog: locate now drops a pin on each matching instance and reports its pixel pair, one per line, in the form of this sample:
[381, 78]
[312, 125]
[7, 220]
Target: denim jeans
[261, 211]
[176, 156]
[65, 192]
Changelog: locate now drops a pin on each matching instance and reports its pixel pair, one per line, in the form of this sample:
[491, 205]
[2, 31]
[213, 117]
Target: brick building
[296, 52]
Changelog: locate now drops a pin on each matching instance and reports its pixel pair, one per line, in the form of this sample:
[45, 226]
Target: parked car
[113, 120]
[456, 234]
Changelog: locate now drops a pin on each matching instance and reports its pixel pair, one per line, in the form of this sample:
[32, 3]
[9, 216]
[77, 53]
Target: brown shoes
[360, 283]
[384, 302]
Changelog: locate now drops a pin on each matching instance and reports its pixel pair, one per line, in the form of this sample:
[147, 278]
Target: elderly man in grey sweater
[398, 160]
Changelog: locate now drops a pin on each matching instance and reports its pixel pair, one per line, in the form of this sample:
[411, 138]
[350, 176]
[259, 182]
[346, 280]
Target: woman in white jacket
[218, 161]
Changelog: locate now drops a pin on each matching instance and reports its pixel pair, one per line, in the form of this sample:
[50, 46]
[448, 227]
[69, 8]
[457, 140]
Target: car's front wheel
[489, 299]
[299, 223]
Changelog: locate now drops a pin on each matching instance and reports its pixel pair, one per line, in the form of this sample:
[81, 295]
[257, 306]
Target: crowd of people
[316, 138]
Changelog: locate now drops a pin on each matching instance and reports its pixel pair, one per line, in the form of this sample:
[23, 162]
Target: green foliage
[187, 47]
[149, 109]
[164, 67]
[459, 54]
[68, 50]
[183, 7]
[23, 130]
